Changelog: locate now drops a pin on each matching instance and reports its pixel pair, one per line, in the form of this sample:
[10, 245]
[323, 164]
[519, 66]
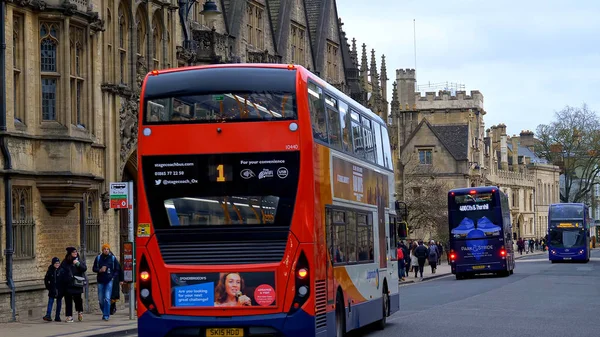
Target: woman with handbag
[73, 280]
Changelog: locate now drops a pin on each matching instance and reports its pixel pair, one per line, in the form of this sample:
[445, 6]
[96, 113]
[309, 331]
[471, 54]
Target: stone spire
[384, 79]
[364, 68]
[354, 53]
[375, 89]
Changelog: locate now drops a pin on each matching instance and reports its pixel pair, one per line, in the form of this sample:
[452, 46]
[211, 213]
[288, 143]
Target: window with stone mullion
[49, 70]
[77, 77]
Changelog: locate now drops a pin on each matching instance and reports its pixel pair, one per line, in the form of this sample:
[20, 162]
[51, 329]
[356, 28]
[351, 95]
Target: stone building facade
[74, 70]
[438, 134]
[530, 182]
[443, 136]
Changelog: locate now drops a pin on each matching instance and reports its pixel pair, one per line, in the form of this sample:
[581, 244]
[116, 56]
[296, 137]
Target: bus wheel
[386, 308]
[340, 317]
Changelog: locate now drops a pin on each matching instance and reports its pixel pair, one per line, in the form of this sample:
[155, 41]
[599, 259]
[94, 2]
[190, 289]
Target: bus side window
[387, 152]
[368, 139]
[345, 126]
[357, 136]
[351, 252]
[339, 237]
[364, 236]
[393, 238]
[329, 233]
[317, 112]
[378, 144]
[333, 122]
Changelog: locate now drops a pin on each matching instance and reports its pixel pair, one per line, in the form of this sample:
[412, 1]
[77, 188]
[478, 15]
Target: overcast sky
[529, 58]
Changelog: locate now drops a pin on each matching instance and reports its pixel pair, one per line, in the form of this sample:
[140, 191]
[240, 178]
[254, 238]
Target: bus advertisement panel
[569, 232]
[480, 232]
[258, 212]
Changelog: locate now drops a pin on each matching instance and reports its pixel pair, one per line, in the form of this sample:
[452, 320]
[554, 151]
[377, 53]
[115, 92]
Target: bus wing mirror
[402, 229]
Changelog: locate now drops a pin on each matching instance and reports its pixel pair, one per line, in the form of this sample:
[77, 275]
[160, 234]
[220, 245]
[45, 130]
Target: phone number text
[168, 173]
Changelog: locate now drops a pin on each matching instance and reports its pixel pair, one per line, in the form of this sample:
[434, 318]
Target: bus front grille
[225, 247]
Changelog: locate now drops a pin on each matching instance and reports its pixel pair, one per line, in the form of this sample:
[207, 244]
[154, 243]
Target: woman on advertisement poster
[228, 292]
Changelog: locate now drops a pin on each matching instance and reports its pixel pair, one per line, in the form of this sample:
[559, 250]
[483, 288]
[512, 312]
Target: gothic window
[140, 23]
[298, 44]
[123, 40]
[255, 24]
[332, 71]
[157, 40]
[18, 101]
[109, 45]
[92, 222]
[78, 71]
[23, 224]
[170, 49]
[49, 69]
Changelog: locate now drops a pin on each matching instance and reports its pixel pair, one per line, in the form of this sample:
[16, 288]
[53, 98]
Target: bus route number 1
[221, 176]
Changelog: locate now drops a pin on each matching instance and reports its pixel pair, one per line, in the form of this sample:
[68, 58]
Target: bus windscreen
[222, 107]
[473, 216]
[567, 235]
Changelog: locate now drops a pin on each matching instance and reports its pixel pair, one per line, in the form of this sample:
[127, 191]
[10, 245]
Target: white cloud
[528, 58]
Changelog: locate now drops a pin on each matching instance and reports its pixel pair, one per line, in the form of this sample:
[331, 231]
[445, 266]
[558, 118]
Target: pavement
[444, 269]
[92, 326]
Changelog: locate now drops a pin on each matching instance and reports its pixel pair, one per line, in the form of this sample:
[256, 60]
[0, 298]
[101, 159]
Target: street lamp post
[210, 13]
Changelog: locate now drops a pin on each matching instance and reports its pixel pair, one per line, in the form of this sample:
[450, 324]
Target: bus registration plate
[478, 267]
[566, 258]
[225, 332]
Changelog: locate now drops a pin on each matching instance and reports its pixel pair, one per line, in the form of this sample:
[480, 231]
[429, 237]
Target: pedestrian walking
[400, 254]
[52, 283]
[433, 256]
[421, 253]
[72, 282]
[107, 267]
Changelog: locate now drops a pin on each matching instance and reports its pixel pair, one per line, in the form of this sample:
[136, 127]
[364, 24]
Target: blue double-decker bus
[480, 232]
[569, 232]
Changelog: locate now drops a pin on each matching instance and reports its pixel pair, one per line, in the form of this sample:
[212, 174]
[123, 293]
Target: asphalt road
[539, 299]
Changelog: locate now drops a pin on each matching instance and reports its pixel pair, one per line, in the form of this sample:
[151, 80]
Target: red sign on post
[128, 261]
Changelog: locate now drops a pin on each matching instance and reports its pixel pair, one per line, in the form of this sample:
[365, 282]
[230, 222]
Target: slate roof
[526, 152]
[455, 138]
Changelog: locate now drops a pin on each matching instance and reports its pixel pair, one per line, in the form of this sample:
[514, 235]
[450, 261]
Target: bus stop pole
[130, 238]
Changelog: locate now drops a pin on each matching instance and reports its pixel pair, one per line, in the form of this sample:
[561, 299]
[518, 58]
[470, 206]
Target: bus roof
[321, 81]
[478, 189]
[568, 204]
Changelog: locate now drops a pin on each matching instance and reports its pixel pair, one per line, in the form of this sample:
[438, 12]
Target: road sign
[118, 195]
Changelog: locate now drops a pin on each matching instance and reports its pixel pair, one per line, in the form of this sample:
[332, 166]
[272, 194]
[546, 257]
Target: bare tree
[425, 196]
[572, 141]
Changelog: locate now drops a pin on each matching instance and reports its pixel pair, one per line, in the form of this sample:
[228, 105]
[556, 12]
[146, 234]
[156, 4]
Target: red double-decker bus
[265, 206]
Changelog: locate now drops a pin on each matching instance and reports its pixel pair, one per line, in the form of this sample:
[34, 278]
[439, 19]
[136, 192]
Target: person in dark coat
[52, 283]
[72, 283]
[116, 291]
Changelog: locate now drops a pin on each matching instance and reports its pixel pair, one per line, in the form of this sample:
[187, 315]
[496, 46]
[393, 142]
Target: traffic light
[402, 229]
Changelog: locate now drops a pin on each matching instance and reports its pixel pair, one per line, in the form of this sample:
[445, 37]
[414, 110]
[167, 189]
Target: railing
[92, 235]
[24, 238]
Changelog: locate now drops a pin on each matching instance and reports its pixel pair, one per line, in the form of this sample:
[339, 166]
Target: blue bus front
[568, 232]
[480, 232]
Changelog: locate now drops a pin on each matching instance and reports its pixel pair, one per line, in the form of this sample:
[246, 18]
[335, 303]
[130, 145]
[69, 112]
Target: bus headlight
[302, 291]
[145, 293]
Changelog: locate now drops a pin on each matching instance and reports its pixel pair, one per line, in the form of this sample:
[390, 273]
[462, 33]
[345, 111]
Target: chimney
[503, 148]
[527, 139]
[515, 153]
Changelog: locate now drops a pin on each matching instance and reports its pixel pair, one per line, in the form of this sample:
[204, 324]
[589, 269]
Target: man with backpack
[434, 256]
[108, 268]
